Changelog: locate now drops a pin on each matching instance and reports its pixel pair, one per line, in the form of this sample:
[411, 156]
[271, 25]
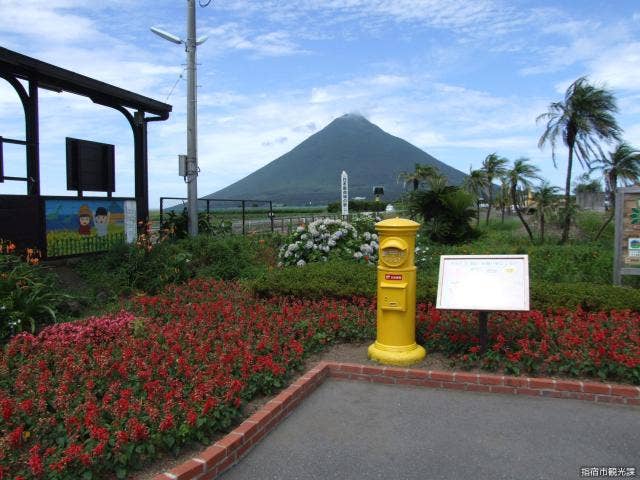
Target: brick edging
[230, 449]
[481, 382]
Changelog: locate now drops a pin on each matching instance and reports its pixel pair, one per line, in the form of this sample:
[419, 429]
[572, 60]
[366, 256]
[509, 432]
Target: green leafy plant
[447, 211]
[175, 225]
[28, 296]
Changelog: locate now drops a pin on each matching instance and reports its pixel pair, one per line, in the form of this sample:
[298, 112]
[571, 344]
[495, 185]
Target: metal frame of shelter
[15, 68]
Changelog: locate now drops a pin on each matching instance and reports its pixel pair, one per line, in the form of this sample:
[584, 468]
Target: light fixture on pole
[192, 168]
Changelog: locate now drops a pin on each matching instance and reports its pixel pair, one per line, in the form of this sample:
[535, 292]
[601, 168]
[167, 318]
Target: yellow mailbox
[396, 323]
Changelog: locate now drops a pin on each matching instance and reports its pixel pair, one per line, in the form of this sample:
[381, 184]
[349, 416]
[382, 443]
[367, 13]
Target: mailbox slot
[393, 252]
[393, 296]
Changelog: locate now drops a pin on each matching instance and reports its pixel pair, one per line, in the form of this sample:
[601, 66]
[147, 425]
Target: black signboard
[90, 166]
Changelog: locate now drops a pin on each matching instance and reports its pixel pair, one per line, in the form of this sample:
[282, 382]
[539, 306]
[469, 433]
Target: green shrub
[341, 279]
[175, 225]
[231, 257]
[358, 206]
[569, 263]
[127, 268]
[589, 223]
[148, 268]
[588, 296]
[338, 279]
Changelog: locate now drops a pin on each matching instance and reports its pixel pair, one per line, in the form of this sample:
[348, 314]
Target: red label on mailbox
[392, 276]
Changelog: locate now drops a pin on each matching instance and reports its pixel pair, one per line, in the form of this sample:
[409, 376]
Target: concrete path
[352, 430]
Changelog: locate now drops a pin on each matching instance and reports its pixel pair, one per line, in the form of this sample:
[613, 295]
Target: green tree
[545, 196]
[586, 184]
[583, 119]
[421, 173]
[520, 177]
[475, 183]
[623, 164]
[494, 167]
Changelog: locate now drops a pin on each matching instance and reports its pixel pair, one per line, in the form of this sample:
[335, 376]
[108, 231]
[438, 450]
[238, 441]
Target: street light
[192, 169]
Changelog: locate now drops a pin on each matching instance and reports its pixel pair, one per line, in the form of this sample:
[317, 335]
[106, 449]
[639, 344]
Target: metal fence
[246, 216]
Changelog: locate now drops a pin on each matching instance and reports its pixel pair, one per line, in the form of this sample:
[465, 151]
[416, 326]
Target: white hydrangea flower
[367, 236]
[357, 255]
[301, 263]
[300, 229]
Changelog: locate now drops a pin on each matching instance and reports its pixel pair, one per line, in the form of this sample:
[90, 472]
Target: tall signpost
[192, 168]
[344, 182]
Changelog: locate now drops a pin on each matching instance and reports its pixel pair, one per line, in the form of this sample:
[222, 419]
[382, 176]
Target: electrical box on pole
[182, 165]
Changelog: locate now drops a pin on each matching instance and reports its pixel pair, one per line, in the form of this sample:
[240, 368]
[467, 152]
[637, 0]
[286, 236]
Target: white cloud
[618, 67]
[233, 36]
[43, 22]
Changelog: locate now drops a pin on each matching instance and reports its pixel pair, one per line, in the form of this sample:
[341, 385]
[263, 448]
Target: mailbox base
[396, 355]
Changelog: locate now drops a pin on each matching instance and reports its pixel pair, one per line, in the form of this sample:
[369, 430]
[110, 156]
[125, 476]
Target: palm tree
[446, 210]
[504, 195]
[521, 175]
[420, 173]
[475, 184]
[494, 167]
[621, 164]
[584, 118]
[545, 197]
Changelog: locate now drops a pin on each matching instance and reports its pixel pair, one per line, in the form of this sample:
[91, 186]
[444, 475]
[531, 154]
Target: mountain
[310, 173]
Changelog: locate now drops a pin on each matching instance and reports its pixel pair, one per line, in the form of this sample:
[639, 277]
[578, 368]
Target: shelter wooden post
[141, 169]
[32, 136]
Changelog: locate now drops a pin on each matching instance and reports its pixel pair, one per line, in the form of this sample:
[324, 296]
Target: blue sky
[459, 78]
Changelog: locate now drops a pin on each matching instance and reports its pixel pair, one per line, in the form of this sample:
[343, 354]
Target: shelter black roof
[59, 79]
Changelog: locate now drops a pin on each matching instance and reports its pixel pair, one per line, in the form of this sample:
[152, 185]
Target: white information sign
[483, 282]
[344, 187]
[130, 221]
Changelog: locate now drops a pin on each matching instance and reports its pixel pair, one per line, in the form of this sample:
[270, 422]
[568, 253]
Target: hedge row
[345, 279]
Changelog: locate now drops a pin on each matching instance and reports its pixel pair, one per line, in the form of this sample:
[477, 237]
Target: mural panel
[82, 225]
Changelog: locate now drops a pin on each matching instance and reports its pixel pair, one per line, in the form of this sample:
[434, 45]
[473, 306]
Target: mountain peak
[353, 117]
[310, 173]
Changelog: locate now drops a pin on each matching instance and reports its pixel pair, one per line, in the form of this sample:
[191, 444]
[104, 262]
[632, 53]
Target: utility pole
[192, 169]
[192, 122]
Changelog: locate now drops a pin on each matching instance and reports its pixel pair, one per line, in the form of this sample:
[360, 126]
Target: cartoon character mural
[82, 225]
[101, 221]
[84, 219]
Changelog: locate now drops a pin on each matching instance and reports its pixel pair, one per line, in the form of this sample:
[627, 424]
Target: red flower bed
[596, 344]
[90, 399]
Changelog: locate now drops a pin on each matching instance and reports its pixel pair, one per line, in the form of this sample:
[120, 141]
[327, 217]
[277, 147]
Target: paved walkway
[353, 430]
